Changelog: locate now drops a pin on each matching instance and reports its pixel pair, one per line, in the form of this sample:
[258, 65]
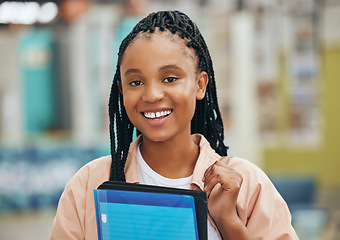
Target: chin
[156, 138]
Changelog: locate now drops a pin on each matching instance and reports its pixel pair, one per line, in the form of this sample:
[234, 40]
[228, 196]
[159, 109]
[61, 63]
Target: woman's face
[160, 85]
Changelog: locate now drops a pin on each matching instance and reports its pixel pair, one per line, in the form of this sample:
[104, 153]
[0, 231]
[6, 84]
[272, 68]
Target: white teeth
[152, 115]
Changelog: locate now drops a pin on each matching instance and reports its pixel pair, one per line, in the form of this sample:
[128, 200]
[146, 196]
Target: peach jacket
[259, 205]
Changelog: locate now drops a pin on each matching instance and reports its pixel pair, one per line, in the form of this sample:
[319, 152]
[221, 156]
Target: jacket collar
[206, 158]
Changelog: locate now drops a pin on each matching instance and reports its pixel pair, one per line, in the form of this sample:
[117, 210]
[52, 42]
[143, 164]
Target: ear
[202, 82]
[119, 84]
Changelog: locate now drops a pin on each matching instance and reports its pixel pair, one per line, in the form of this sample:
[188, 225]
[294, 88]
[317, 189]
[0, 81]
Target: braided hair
[207, 118]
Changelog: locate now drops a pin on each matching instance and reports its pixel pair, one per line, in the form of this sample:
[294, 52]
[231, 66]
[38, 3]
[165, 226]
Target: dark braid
[207, 118]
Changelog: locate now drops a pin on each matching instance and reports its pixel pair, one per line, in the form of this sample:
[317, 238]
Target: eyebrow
[165, 67]
[171, 66]
[132, 70]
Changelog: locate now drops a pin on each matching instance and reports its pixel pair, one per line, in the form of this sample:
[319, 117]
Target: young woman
[164, 90]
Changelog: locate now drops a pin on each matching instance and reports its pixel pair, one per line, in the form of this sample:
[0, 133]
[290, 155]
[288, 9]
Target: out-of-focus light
[27, 12]
[48, 12]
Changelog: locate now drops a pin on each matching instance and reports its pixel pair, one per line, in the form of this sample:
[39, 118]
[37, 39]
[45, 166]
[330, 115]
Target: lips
[156, 114]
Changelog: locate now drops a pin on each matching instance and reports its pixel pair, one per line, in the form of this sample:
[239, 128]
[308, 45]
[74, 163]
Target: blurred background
[277, 66]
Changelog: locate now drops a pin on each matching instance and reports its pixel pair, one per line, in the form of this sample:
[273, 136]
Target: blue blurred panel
[308, 219]
[38, 74]
[34, 176]
[297, 192]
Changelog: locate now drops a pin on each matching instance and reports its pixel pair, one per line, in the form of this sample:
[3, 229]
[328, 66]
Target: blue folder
[133, 212]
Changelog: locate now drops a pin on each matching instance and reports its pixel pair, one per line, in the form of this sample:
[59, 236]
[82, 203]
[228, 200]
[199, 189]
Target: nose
[153, 92]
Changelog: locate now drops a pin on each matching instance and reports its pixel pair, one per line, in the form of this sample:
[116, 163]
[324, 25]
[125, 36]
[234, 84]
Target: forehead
[166, 37]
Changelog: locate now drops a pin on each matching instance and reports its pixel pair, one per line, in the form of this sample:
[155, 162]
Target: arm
[76, 216]
[69, 222]
[242, 196]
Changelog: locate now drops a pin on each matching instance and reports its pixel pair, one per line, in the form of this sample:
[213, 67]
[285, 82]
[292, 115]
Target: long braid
[207, 118]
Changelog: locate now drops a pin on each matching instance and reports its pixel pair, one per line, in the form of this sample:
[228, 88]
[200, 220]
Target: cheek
[130, 100]
[187, 99]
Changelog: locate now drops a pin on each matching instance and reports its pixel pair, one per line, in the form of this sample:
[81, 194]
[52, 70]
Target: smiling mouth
[156, 115]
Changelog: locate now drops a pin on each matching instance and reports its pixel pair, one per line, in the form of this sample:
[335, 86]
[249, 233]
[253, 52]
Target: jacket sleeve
[260, 206]
[69, 222]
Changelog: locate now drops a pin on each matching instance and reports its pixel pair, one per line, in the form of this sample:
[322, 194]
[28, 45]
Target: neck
[175, 158]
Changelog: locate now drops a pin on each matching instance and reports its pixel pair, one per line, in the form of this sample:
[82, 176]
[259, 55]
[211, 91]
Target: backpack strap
[226, 159]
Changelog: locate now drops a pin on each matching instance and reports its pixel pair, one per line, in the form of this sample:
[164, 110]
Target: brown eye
[135, 83]
[170, 79]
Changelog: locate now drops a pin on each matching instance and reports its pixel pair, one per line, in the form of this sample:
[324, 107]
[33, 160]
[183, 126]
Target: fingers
[220, 173]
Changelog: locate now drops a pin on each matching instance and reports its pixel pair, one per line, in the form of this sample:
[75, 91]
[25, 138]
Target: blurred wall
[322, 160]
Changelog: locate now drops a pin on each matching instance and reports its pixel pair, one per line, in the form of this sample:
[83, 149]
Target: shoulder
[248, 169]
[102, 165]
[257, 189]
[259, 202]
[92, 174]
[255, 180]
[75, 216]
